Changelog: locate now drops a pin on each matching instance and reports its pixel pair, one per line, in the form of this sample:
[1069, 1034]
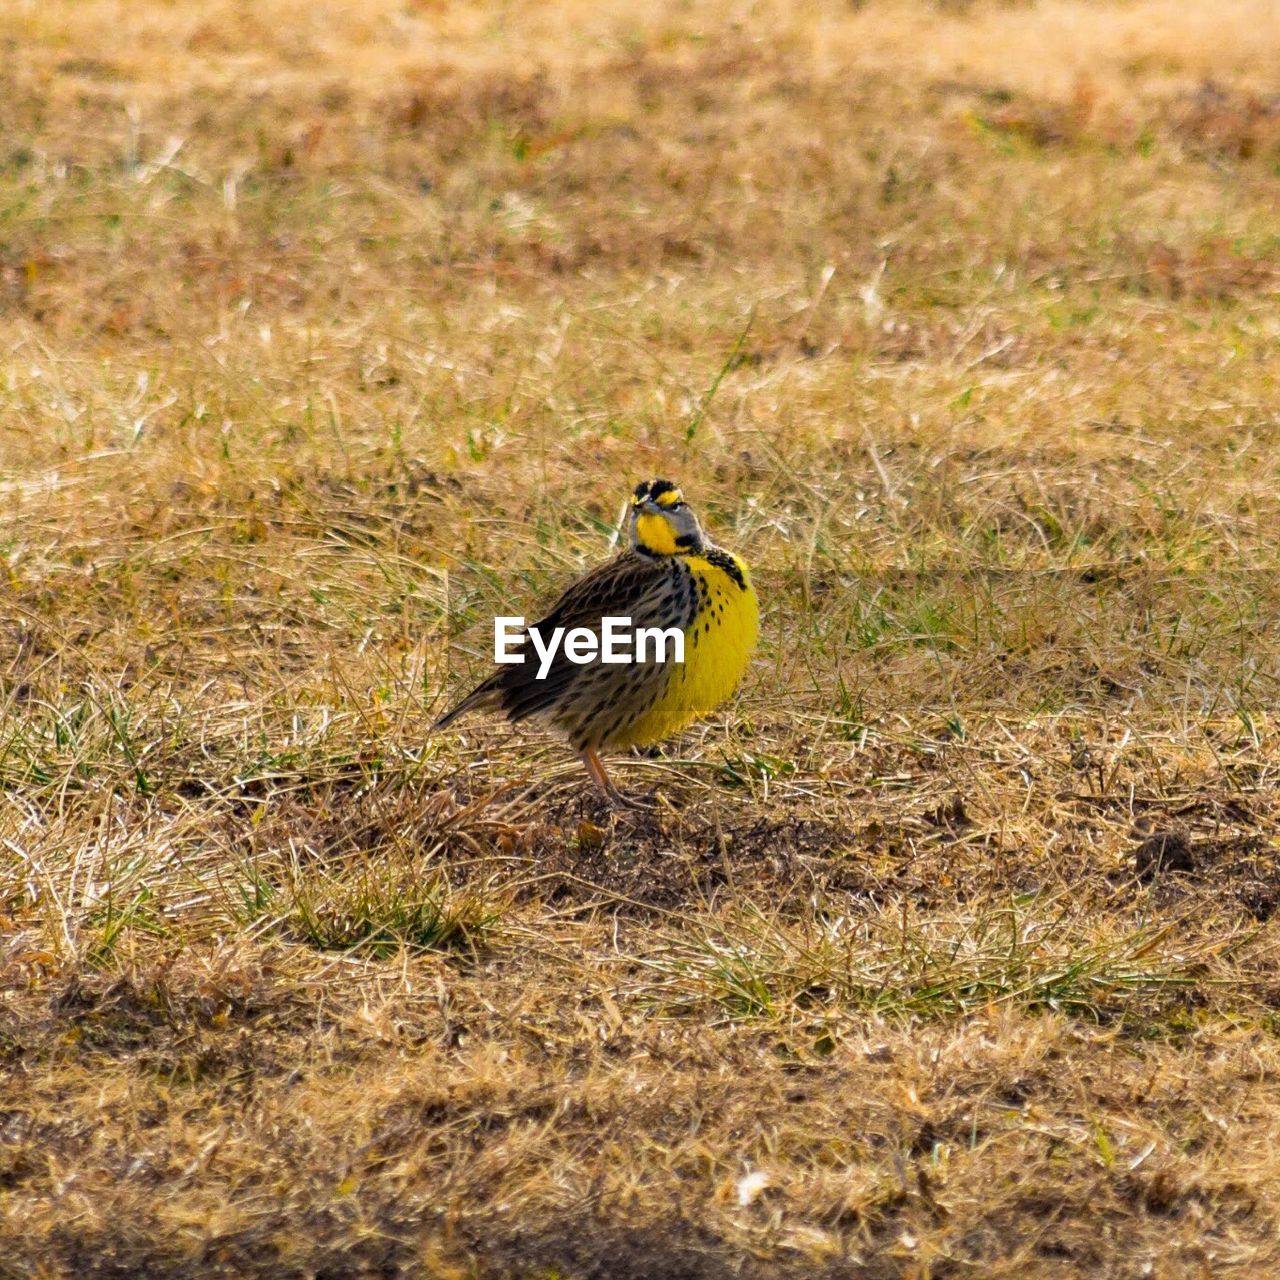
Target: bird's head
[661, 522]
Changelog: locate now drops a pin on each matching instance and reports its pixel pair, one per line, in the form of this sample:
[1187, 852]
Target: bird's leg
[595, 767]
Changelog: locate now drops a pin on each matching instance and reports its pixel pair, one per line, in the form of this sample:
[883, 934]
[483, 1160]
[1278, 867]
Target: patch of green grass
[374, 910]
[1034, 955]
[107, 925]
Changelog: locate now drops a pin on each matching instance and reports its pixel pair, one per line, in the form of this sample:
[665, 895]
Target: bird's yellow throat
[655, 534]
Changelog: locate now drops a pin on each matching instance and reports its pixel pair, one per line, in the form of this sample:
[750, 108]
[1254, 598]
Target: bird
[670, 576]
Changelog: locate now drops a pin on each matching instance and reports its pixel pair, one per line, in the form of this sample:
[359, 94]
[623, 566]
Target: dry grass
[330, 330]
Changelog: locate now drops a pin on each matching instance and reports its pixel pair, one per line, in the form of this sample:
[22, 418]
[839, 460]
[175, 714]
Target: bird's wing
[629, 586]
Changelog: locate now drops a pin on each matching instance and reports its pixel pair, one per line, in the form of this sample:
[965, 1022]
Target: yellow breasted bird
[670, 576]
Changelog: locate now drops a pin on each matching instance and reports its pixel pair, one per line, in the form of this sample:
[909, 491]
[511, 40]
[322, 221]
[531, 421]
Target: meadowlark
[670, 577]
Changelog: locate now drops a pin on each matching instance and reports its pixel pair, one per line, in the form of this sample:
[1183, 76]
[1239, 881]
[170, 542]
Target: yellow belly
[726, 630]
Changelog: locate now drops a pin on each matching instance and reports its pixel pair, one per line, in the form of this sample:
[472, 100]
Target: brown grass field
[330, 330]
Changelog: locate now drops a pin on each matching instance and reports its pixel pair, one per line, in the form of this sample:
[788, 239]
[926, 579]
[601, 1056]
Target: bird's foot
[619, 800]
